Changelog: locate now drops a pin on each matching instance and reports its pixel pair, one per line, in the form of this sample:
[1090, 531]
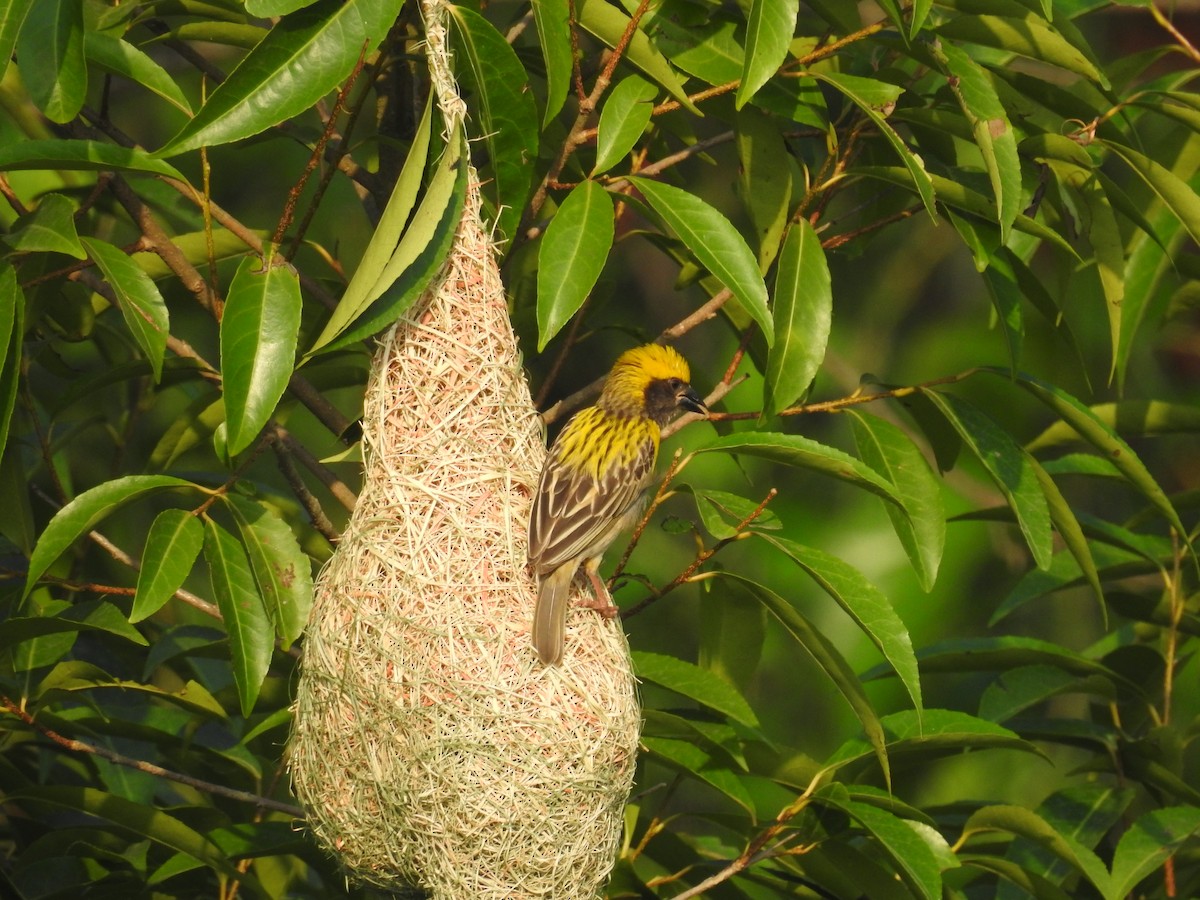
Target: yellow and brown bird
[595, 474]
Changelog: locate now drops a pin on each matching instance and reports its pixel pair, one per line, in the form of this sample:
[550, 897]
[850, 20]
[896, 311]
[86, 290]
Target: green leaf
[1028, 824]
[281, 569]
[1010, 468]
[12, 16]
[571, 257]
[698, 684]
[909, 854]
[50, 228]
[1140, 418]
[83, 155]
[364, 285]
[1148, 843]
[921, 527]
[145, 821]
[1067, 526]
[732, 628]
[12, 330]
[1176, 193]
[929, 734]
[258, 344]
[769, 29]
[141, 304]
[797, 450]
[692, 759]
[1085, 813]
[126, 60]
[865, 604]
[304, 57]
[416, 260]
[249, 628]
[1016, 690]
[624, 117]
[803, 313]
[1026, 35]
[952, 193]
[992, 131]
[50, 50]
[505, 110]
[721, 511]
[609, 24]
[85, 511]
[825, 655]
[1092, 429]
[266, 9]
[552, 18]
[873, 98]
[764, 180]
[716, 244]
[86, 615]
[172, 545]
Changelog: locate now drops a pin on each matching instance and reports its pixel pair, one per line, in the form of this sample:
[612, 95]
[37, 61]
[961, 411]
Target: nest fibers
[430, 745]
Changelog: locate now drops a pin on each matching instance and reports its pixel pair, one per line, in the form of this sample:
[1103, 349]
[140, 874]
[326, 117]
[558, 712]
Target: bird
[594, 479]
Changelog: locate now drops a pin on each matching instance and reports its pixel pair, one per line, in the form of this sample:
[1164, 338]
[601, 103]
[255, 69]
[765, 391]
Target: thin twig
[844, 402]
[150, 768]
[702, 557]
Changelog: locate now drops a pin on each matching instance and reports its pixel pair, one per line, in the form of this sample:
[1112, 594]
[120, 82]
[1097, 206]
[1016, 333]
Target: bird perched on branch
[593, 481]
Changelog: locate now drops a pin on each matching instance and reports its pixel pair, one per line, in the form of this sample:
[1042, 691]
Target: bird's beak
[688, 399]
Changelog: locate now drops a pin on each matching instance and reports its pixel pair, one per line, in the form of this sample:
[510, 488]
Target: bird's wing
[576, 513]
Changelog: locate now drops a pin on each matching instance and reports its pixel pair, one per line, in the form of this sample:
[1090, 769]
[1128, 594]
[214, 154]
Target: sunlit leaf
[802, 313]
[764, 180]
[623, 118]
[1092, 429]
[865, 604]
[85, 511]
[608, 23]
[281, 569]
[141, 304]
[572, 255]
[695, 683]
[124, 59]
[921, 526]
[50, 228]
[992, 131]
[52, 64]
[503, 103]
[259, 331]
[716, 244]
[172, 545]
[875, 98]
[552, 18]
[251, 635]
[769, 30]
[82, 155]
[825, 655]
[1009, 467]
[909, 855]
[303, 58]
[797, 450]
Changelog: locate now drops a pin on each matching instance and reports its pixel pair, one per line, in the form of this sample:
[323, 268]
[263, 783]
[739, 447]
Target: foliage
[989, 205]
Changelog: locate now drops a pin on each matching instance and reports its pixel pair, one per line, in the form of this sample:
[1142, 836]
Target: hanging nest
[431, 747]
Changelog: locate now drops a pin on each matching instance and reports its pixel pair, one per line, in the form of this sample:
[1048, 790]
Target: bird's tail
[550, 614]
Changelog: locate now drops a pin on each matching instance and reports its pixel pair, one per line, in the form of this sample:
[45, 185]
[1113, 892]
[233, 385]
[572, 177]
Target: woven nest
[430, 745]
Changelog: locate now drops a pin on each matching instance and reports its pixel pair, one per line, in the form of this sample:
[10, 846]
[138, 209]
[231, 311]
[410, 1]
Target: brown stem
[702, 557]
[148, 767]
[308, 500]
[852, 400]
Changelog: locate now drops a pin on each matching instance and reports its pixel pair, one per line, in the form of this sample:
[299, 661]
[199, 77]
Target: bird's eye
[674, 383]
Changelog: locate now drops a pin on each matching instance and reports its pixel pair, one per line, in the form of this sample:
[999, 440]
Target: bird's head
[651, 381]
